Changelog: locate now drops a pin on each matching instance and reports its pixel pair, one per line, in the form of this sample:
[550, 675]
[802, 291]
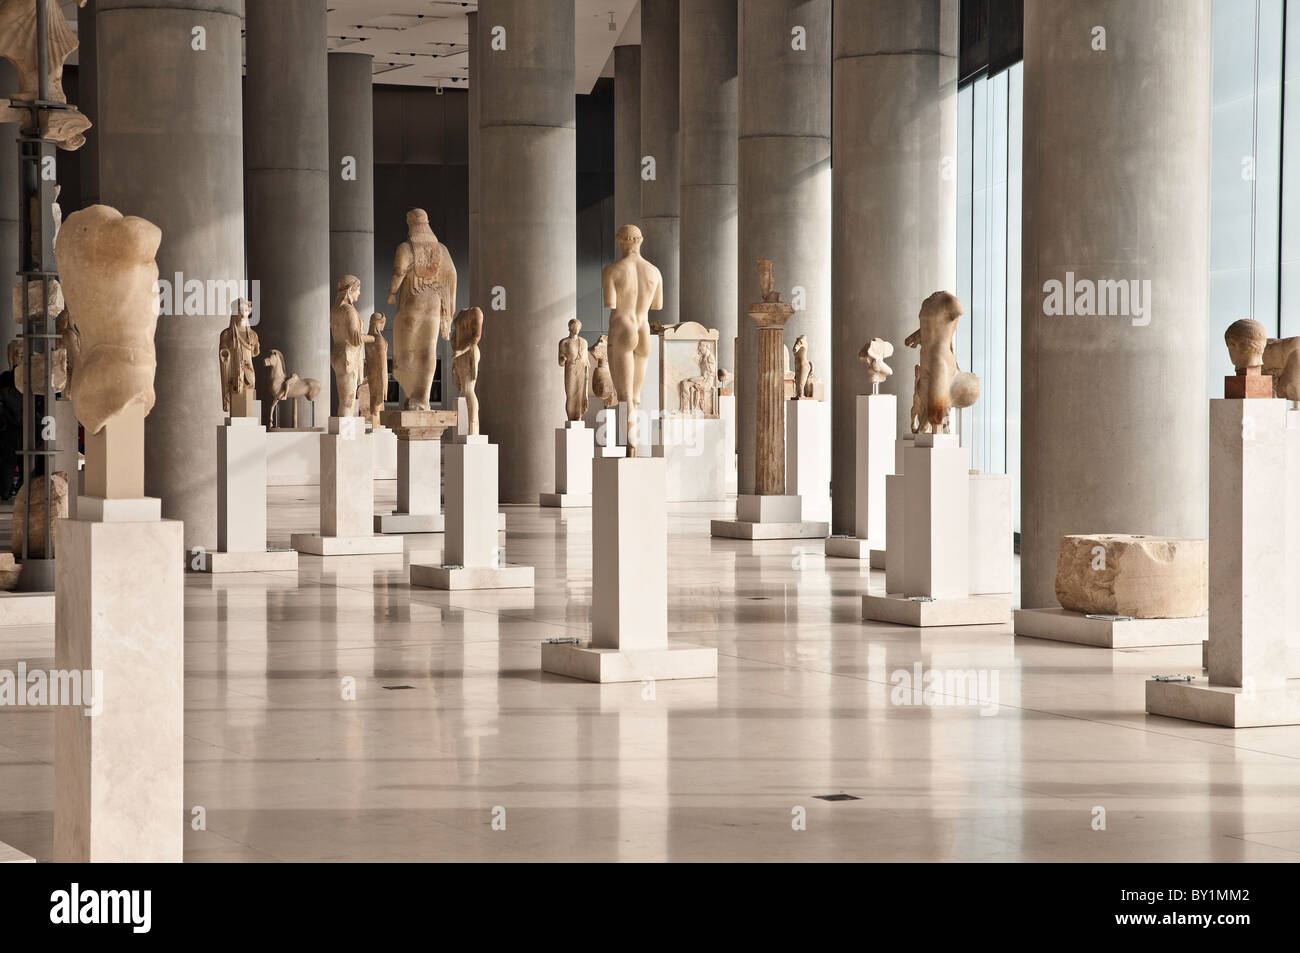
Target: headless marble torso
[633, 288]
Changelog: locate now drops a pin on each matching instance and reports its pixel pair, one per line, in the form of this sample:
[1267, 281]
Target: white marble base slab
[1198, 700]
[743, 529]
[973, 610]
[878, 559]
[752, 508]
[12, 855]
[397, 523]
[613, 665]
[26, 608]
[850, 547]
[471, 577]
[1063, 625]
[564, 500]
[276, 560]
[314, 544]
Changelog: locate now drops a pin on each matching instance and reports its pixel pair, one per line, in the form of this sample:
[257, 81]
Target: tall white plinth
[347, 496]
[695, 452]
[992, 534]
[808, 455]
[877, 430]
[119, 774]
[419, 489]
[1249, 683]
[629, 602]
[1292, 503]
[384, 444]
[607, 434]
[575, 446]
[471, 556]
[241, 504]
[928, 505]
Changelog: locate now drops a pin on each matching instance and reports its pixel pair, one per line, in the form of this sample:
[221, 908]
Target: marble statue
[940, 385]
[1146, 577]
[873, 354]
[573, 358]
[695, 394]
[1280, 359]
[69, 341]
[347, 344]
[14, 351]
[58, 510]
[426, 277]
[1246, 340]
[466, 332]
[106, 263]
[376, 368]
[1287, 384]
[802, 367]
[41, 387]
[10, 572]
[288, 386]
[633, 288]
[724, 382]
[236, 348]
[602, 384]
[67, 127]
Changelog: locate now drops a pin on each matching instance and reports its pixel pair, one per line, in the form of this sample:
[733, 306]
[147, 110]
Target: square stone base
[612, 665]
[11, 855]
[410, 523]
[26, 608]
[850, 547]
[1198, 700]
[973, 610]
[471, 577]
[1062, 625]
[314, 544]
[743, 529]
[564, 500]
[276, 560]
[878, 559]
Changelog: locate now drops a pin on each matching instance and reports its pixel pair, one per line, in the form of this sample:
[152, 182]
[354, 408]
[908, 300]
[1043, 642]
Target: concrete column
[88, 103]
[660, 138]
[172, 152]
[9, 259]
[476, 296]
[709, 103]
[894, 203]
[352, 175]
[784, 184]
[627, 136]
[1113, 409]
[528, 230]
[288, 200]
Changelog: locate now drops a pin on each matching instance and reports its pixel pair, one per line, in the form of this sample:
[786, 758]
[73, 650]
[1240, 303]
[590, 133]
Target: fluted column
[660, 138]
[894, 200]
[1114, 413]
[528, 230]
[769, 476]
[709, 104]
[784, 184]
[171, 151]
[288, 199]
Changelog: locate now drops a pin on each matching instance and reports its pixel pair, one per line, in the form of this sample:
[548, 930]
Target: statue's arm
[448, 287]
[608, 289]
[658, 304]
[401, 265]
[914, 339]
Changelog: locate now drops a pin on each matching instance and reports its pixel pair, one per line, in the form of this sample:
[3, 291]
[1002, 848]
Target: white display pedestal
[606, 434]
[629, 599]
[12, 855]
[769, 517]
[575, 448]
[1063, 625]
[385, 446]
[241, 504]
[928, 522]
[1249, 683]
[808, 455]
[347, 496]
[992, 534]
[119, 774]
[694, 451]
[877, 429]
[727, 411]
[471, 557]
[419, 490]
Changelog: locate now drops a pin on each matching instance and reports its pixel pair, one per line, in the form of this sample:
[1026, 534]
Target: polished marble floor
[457, 748]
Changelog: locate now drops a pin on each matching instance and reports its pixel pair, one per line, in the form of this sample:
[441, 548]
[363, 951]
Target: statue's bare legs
[629, 352]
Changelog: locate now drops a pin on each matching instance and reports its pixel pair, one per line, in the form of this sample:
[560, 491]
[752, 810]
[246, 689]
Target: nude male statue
[573, 358]
[633, 288]
[426, 276]
[466, 332]
[376, 368]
